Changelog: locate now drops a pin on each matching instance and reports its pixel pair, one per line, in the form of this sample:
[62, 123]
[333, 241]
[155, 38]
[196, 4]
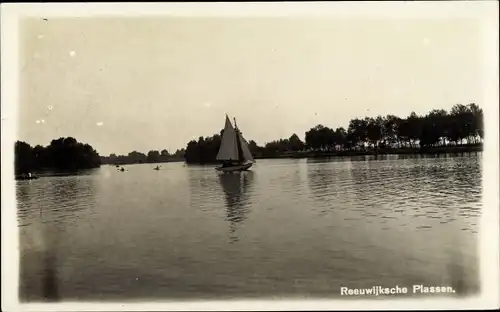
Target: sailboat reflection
[236, 188]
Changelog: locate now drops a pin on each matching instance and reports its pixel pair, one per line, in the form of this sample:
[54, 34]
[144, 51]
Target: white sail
[247, 155]
[229, 145]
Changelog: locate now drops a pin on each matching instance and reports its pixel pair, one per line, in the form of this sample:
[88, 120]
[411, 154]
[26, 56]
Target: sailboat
[234, 151]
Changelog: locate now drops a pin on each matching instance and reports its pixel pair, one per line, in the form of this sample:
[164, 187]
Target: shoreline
[141, 163]
[39, 173]
[473, 148]
[382, 151]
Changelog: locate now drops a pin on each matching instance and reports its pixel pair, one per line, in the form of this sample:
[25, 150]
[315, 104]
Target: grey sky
[127, 84]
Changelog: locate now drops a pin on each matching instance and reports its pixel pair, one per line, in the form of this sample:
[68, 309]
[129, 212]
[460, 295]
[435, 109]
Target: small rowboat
[28, 176]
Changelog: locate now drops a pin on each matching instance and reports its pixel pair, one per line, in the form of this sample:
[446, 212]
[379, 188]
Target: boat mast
[241, 157]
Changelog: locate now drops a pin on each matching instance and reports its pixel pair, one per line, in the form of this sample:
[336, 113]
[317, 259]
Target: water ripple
[286, 227]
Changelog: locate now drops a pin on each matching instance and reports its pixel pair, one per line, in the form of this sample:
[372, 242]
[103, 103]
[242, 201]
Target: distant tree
[204, 150]
[373, 131]
[65, 154]
[254, 148]
[430, 135]
[390, 129]
[137, 157]
[340, 138]
[23, 159]
[153, 157]
[313, 140]
[477, 126]
[320, 137]
[295, 144]
[414, 123]
[179, 153]
[358, 132]
[404, 132]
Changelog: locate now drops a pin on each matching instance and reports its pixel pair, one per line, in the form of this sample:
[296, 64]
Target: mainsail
[233, 146]
[229, 146]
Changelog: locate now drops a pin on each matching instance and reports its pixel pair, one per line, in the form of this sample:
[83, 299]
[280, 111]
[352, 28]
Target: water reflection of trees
[74, 194]
[328, 180]
[467, 170]
[458, 173]
[370, 177]
[320, 176]
[236, 187]
[423, 180]
[47, 208]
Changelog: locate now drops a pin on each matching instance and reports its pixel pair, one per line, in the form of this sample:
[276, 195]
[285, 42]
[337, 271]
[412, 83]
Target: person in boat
[26, 176]
[226, 164]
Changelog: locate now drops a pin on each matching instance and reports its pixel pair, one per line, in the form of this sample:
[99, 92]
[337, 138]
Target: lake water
[294, 228]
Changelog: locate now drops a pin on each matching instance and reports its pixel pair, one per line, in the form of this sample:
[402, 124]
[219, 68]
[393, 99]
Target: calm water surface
[286, 228]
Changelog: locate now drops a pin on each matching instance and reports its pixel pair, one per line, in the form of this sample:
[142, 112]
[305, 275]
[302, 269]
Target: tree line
[134, 157]
[462, 125]
[63, 154]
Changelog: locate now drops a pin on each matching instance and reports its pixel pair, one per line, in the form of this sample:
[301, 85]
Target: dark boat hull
[234, 168]
[26, 178]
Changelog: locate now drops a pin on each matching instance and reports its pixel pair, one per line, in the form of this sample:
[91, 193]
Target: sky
[122, 84]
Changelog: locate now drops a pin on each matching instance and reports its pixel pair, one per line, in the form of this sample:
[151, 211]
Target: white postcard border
[486, 11]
